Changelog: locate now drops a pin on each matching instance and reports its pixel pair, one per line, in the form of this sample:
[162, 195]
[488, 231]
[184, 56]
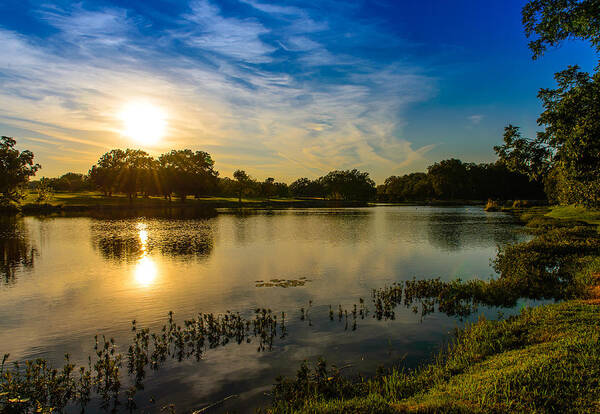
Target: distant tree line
[455, 180]
[185, 173]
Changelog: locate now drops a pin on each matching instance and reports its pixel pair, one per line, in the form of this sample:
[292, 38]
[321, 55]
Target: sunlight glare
[143, 122]
[145, 269]
[145, 272]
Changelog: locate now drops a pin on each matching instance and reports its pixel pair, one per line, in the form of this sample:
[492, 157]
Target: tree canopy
[550, 22]
[15, 169]
[566, 154]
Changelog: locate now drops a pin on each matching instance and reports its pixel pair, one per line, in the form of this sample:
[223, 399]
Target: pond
[65, 279]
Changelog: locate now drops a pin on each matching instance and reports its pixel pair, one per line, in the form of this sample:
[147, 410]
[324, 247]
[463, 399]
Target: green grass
[575, 213]
[547, 359]
[93, 199]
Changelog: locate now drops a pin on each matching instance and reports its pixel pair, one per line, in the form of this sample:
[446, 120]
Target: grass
[575, 213]
[91, 200]
[547, 359]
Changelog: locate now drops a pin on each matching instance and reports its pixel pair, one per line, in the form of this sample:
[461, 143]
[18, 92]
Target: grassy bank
[546, 359]
[94, 201]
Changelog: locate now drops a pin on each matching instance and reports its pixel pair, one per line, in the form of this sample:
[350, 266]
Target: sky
[280, 89]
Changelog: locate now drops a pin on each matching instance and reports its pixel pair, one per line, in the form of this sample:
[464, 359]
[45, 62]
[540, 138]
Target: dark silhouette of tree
[105, 174]
[415, 186]
[185, 172]
[449, 179]
[348, 185]
[15, 169]
[243, 181]
[458, 180]
[70, 182]
[136, 173]
[267, 188]
[281, 189]
[304, 187]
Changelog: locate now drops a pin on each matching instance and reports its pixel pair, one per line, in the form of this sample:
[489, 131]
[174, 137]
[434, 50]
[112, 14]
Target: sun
[143, 122]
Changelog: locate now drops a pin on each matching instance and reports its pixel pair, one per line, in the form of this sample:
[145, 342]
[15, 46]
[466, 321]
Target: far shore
[84, 202]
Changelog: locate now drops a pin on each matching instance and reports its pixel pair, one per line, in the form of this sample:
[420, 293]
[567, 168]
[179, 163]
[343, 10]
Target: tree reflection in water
[16, 250]
[137, 240]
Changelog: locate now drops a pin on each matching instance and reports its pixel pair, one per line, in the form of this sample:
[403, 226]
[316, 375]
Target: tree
[267, 187]
[531, 157]
[550, 22]
[135, 172]
[304, 187]
[572, 110]
[449, 179]
[104, 175]
[571, 119]
[348, 185]
[185, 172]
[44, 190]
[415, 186]
[15, 169]
[70, 182]
[244, 182]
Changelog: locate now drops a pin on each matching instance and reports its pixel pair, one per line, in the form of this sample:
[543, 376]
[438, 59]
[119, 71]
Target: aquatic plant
[36, 386]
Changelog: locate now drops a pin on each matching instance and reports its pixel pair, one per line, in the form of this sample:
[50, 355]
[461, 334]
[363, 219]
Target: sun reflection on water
[145, 269]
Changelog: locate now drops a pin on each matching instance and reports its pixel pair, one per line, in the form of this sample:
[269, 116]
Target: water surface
[63, 280]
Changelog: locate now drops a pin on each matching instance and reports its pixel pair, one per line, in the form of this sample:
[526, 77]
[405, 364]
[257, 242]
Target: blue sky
[282, 89]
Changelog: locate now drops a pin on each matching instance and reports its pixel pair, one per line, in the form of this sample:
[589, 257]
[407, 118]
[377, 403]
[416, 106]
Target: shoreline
[93, 203]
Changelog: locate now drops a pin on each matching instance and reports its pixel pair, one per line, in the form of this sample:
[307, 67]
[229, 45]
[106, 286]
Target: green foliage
[566, 155]
[304, 187]
[15, 169]
[455, 180]
[415, 186]
[348, 185]
[571, 115]
[572, 127]
[134, 172]
[186, 172]
[44, 191]
[522, 155]
[551, 22]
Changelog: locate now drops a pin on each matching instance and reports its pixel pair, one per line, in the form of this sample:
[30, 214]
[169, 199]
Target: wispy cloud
[475, 119]
[269, 95]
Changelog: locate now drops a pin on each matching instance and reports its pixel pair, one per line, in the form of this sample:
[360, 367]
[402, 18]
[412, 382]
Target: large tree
[15, 169]
[186, 172]
[243, 181]
[449, 179]
[305, 187]
[550, 22]
[105, 174]
[531, 157]
[348, 185]
[567, 152]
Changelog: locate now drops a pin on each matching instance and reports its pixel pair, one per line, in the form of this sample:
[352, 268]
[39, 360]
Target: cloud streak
[272, 92]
